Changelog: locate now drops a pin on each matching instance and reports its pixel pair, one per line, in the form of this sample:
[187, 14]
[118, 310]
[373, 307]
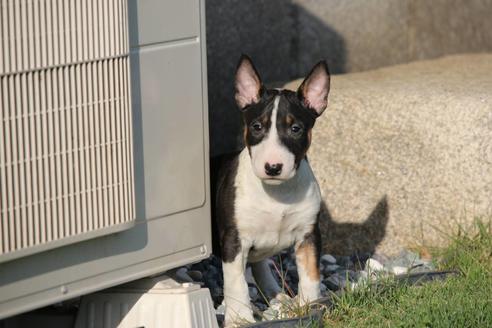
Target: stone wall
[403, 154]
[285, 38]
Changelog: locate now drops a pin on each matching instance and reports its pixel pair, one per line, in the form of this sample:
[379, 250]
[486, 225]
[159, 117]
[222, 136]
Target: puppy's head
[278, 123]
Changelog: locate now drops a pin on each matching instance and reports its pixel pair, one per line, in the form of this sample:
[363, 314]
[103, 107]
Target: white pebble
[281, 298]
[220, 309]
[270, 314]
[353, 285]
[373, 266]
[399, 270]
[363, 275]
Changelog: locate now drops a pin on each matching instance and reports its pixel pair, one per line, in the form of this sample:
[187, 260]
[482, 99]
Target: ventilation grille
[66, 170]
[37, 34]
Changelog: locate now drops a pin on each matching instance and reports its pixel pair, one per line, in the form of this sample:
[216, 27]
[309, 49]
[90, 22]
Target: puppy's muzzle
[273, 169]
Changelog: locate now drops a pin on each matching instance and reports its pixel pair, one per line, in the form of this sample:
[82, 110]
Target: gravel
[338, 273]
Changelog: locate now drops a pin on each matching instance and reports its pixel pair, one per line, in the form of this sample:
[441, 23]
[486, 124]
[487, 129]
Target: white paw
[236, 316]
[309, 294]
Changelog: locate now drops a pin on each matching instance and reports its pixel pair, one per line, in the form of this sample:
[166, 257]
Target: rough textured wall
[403, 154]
[285, 38]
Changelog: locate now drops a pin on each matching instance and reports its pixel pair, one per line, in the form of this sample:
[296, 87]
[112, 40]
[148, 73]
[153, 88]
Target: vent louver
[66, 168]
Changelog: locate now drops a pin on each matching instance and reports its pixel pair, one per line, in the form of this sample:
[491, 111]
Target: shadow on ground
[354, 238]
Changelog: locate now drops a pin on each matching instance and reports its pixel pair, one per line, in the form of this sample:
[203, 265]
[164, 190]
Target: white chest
[271, 218]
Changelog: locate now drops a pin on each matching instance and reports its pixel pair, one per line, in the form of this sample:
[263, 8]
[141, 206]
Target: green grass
[461, 301]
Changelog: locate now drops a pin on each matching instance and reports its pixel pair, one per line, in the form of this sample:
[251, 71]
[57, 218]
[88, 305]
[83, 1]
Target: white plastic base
[150, 302]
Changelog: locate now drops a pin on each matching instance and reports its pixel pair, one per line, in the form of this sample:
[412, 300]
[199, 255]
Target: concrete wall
[285, 38]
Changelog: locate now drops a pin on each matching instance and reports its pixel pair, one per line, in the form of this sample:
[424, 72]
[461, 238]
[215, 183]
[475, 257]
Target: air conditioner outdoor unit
[104, 173]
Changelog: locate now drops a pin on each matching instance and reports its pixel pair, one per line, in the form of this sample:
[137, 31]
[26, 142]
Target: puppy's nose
[273, 169]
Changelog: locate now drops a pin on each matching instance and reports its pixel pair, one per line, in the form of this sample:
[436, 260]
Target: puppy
[267, 198]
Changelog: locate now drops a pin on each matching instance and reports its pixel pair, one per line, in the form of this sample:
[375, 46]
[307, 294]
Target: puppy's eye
[257, 126]
[295, 128]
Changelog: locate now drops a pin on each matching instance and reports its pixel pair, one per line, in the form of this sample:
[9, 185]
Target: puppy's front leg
[307, 260]
[236, 295]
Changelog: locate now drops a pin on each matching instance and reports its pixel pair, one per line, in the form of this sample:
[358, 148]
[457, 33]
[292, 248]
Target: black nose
[273, 169]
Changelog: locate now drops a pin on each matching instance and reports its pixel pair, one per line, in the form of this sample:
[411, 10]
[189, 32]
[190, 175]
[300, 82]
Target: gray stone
[403, 153]
[182, 275]
[328, 259]
[195, 275]
[331, 268]
[336, 282]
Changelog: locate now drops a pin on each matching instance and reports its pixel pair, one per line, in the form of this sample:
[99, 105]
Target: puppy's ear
[248, 83]
[313, 91]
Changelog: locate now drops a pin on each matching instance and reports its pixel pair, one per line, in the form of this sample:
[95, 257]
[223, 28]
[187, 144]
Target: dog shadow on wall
[283, 39]
[354, 238]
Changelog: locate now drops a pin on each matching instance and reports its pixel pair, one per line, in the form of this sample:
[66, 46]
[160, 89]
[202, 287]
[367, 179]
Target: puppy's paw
[309, 294]
[236, 316]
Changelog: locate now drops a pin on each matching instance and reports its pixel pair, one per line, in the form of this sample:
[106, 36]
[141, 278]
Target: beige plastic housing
[163, 48]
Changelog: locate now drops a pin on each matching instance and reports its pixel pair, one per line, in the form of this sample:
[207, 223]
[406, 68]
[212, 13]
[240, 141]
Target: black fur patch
[290, 105]
[258, 113]
[225, 230]
[292, 113]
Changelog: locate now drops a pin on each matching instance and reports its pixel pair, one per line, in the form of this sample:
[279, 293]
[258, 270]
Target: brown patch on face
[264, 120]
[289, 119]
[306, 257]
[245, 135]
